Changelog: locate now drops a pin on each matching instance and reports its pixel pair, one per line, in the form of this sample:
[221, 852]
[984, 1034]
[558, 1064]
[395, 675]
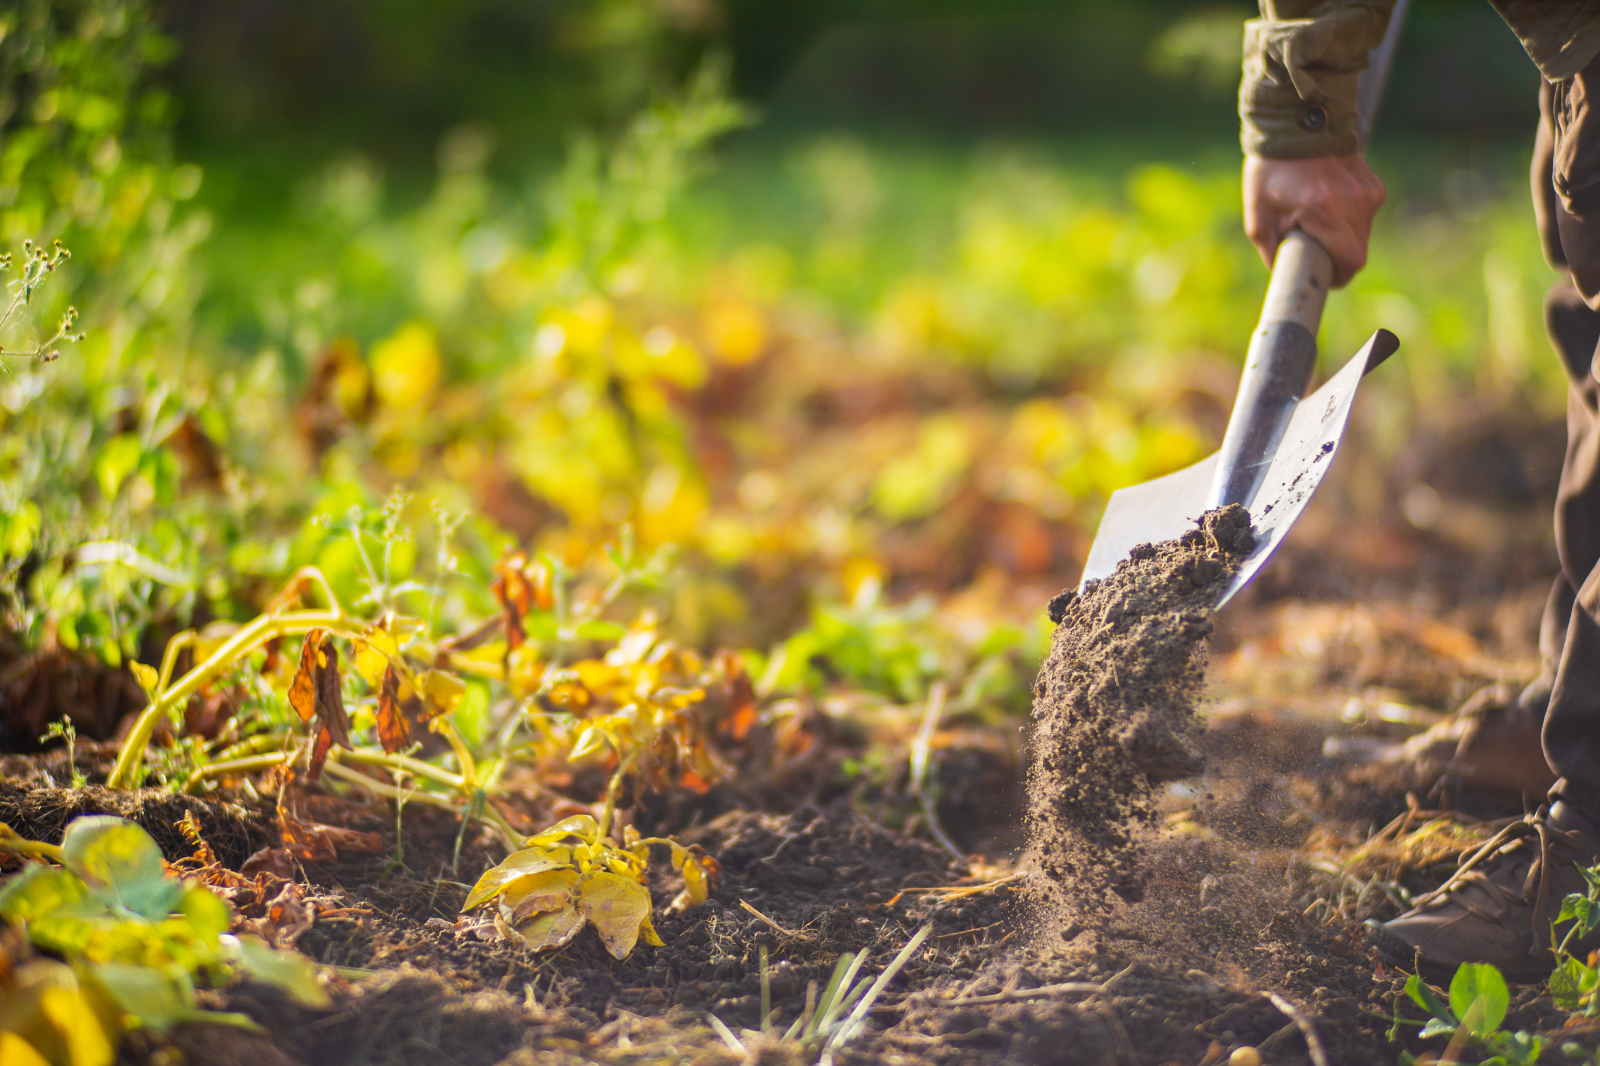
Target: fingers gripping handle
[1283, 352]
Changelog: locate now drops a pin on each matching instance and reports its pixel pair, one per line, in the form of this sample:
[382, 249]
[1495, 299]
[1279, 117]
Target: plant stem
[248, 638]
[32, 847]
[244, 765]
[610, 809]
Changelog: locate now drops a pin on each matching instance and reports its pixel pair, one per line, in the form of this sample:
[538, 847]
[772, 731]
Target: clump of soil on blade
[1114, 713]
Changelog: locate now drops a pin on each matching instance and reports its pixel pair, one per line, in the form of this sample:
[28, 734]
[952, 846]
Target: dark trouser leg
[1572, 723]
[1566, 193]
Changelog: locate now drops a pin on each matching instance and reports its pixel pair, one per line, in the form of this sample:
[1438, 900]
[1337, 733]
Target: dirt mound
[233, 830]
[1114, 707]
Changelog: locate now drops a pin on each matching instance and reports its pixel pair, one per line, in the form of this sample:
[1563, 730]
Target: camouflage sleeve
[1301, 62]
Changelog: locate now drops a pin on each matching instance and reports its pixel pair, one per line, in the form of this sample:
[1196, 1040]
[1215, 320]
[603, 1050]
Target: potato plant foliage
[125, 943]
[571, 874]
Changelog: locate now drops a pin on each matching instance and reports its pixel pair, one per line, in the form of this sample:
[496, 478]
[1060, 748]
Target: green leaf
[38, 891]
[118, 458]
[1479, 984]
[541, 625]
[1566, 984]
[1424, 997]
[1582, 909]
[65, 931]
[1590, 874]
[283, 969]
[599, 629]
[121, 864]
[158, 999]
[1437, 1027]
[207, 914]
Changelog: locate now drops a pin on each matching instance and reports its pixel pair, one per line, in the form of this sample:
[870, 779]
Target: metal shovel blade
[1170, 506]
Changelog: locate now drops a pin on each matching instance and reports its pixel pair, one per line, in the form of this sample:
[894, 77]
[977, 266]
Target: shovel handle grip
[1283, 353]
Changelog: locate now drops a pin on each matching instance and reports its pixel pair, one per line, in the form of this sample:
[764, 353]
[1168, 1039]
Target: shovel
[1278, 446]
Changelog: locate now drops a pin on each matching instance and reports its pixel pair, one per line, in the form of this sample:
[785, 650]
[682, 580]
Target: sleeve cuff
[1298, 95]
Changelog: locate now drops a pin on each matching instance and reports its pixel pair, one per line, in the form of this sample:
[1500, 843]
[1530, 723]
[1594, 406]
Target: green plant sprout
[1573, 983]
[64, 729]
[1479, 997]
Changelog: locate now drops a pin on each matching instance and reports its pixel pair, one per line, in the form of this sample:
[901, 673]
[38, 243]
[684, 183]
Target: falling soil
[1115, 708]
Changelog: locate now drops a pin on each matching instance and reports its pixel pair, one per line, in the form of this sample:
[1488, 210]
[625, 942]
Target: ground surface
[1252, 877]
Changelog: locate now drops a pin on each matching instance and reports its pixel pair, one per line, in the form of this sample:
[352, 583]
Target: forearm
[1302, 59]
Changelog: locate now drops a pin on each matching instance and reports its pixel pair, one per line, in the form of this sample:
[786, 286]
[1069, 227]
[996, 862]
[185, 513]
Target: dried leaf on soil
[316, 694]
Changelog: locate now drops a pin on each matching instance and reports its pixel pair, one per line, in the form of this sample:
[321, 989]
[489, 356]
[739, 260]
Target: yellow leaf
[588, 742]
[596, 676]
[146, 676]
[87, 1044]
[649, 932]
[551, 930]
[618, 906]
[536, 893]
[579, 825]
[15, 1051]
[406, 368]
[373, 654]
[523, 670]
[443, 690]
[694, 882]
[627, 863]
[519, 864]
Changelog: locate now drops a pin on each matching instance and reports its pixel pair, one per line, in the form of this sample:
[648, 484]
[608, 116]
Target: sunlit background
[862, 308]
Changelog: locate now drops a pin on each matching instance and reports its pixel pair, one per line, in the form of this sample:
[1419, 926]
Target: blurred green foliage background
[865, 308]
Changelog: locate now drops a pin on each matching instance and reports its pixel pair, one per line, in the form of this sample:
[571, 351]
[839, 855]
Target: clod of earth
[1114, 708]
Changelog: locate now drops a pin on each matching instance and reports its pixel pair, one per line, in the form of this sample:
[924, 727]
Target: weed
[37, 265]
[64, 729]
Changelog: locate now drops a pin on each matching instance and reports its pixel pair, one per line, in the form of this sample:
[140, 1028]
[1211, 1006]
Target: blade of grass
[728, 1038]
[858, 1017]
[836, 1004]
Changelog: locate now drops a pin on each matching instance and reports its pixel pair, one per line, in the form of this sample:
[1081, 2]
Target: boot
[1489, 748]
[1499, 905]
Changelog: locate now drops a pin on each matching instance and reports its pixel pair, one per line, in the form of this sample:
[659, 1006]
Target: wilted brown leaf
[316, 694]
[394, 731]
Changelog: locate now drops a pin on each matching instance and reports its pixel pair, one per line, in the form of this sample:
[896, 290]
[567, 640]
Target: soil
[1115, 708]
[1220, 923]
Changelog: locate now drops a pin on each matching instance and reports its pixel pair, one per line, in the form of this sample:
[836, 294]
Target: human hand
[1332, 198]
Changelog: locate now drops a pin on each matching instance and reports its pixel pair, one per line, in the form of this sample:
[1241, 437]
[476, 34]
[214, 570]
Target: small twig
[1124, 1042]
[958, 891]
[786, 932]
[1319, 1057]
[921, 748]
[1069, 988]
